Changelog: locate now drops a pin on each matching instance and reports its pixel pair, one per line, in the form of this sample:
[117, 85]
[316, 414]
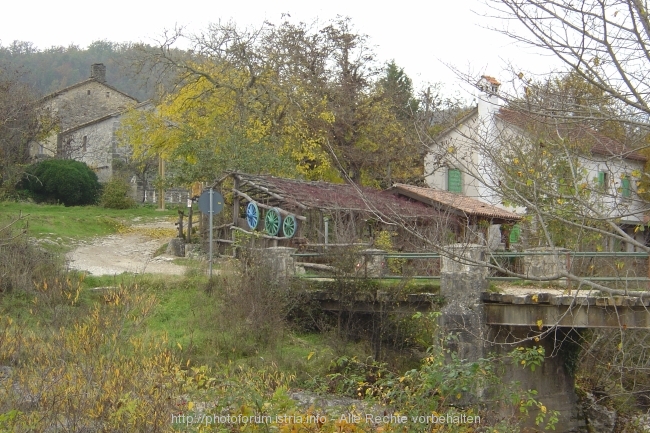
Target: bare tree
[605, 42]
[20, 123]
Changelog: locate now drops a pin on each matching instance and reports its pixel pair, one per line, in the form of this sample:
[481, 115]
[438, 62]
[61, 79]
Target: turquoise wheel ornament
[252, 215]
[289, 226]
[272, 221]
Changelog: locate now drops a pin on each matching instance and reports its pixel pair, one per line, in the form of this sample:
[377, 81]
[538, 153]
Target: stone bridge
[488, 322]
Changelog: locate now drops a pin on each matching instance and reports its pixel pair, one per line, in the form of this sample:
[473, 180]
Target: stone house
[88, 114]
[460, 160]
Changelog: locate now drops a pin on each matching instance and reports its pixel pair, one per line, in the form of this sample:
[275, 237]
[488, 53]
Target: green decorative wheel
[252, 215]
[289, 226]
[273, 221]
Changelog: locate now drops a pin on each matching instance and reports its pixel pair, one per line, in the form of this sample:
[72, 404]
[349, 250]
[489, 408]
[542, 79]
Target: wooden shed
[298, 213]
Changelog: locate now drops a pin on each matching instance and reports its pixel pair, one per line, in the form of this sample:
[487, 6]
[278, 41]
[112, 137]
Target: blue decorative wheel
[289, 226]
[272, 221]
[252, 215]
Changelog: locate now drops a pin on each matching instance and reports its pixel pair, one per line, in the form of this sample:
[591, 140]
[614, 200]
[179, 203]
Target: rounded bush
[115, 194]
[65, 181]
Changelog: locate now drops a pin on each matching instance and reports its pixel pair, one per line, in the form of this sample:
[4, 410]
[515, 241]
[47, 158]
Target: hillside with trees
[50, 69]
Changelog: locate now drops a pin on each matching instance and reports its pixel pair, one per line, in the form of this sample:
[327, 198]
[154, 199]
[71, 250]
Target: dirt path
[129, 252]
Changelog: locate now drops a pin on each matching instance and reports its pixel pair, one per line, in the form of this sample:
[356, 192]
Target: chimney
[488, 99]
[98, 72]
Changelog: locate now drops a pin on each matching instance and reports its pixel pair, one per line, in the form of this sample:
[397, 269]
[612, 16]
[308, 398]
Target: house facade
[88, 114]
[468, 158]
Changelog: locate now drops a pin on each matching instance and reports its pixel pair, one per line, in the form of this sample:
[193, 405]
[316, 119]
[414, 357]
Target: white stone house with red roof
[462, 160]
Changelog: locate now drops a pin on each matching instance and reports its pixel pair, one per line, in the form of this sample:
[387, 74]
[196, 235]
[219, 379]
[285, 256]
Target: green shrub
[115, 194]
[62, 180]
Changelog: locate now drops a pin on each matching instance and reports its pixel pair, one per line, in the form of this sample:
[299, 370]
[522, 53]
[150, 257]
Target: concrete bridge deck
[574, 311]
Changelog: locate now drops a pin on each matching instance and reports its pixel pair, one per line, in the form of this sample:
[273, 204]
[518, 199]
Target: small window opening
[603, 179]
[88, 92]
[84, 143]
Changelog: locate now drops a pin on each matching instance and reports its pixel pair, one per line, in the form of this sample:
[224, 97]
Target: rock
[5, 372]
[176, 247]
[333, 406]
[642, 423]
[599, 418]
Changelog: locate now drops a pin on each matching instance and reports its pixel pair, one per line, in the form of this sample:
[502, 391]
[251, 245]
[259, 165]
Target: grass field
[125, 352]
[62, 226]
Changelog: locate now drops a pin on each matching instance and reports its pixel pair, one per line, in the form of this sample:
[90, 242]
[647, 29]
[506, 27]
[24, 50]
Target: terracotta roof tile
[600, 144]
[491, 80]
[325, 195]
[468, 205]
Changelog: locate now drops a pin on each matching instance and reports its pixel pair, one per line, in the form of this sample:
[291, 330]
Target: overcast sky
[420, 38]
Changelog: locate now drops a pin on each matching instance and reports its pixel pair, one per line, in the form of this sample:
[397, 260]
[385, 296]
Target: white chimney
[488, 98]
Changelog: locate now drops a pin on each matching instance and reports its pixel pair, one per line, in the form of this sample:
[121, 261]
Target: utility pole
[161, 176]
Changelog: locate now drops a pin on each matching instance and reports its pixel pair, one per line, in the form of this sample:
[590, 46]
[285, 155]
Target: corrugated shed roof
[600, 144]
[324, 195]
[468, 205]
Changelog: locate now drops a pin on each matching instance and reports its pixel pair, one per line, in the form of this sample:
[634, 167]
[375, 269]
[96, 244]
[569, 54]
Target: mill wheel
[252, 215]
[289, 226]
[272, 222]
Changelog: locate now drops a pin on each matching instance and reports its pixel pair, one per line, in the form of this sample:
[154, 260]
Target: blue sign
[217, 202]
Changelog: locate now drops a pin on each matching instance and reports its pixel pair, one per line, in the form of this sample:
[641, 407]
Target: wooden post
[649, 271]
[568, 269]
[181, 214]
[235, 213]
[161, 173]
[189, 221]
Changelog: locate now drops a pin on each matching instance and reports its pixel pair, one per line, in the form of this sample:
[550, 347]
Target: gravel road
[130, 252]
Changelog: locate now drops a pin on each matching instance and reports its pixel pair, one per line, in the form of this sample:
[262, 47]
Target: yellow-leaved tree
[290, 100]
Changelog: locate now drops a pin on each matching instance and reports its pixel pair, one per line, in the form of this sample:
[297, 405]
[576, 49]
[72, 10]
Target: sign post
[211, 203]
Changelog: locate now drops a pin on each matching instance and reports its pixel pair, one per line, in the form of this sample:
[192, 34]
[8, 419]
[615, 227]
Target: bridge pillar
[462, 279]
[281, 262]
[544, 262]
[373, 263]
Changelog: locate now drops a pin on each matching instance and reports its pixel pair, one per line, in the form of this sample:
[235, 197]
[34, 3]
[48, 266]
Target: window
[84, 143]
[625, 186]
[603, 179]
[88, 92]
[454, 181]
[515, 233]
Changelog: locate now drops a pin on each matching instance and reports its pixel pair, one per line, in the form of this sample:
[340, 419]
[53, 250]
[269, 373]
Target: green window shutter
[454, 182]
[601, 178]
[625, 186]
[515, 232]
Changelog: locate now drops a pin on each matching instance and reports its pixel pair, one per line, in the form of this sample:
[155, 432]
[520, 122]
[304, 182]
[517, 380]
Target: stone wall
[95, 144]
[88, 101]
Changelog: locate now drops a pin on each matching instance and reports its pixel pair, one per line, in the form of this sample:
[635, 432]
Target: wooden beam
[339, 245]
[262, 205]
[317, 266]
[260, 234]
[269, 192]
